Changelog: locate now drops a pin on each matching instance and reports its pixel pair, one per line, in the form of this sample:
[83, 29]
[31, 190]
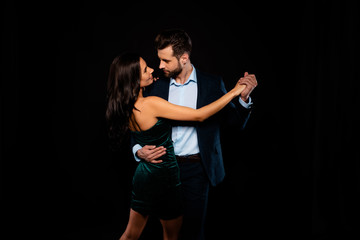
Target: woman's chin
[148, 84]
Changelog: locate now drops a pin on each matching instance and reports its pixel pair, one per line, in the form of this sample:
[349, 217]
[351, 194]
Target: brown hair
[122, 92]
[178, 39]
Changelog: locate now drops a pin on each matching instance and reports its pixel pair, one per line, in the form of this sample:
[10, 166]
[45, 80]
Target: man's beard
[174, 73]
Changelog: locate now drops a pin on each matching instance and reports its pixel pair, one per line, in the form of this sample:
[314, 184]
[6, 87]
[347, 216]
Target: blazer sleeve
[234, 113]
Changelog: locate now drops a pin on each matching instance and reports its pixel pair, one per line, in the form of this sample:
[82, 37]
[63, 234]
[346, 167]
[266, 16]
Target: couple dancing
[175, 129]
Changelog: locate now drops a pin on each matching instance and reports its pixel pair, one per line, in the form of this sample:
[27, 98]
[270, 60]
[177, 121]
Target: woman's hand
[238, 88]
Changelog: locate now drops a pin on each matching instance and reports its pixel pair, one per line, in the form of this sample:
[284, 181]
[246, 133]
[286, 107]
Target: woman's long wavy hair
[122, 92]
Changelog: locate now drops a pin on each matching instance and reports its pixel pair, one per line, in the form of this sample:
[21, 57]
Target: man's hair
[178, 39]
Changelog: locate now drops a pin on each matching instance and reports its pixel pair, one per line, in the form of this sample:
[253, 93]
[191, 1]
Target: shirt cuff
[244, 104]
[135, 149]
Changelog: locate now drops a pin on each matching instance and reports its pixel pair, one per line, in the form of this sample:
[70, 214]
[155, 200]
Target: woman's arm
[164, 109]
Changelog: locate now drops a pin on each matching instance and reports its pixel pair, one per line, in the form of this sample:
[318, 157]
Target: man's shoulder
[161, 82]
[209, 76]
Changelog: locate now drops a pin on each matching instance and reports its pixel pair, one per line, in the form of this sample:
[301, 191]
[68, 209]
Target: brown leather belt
[189, 158]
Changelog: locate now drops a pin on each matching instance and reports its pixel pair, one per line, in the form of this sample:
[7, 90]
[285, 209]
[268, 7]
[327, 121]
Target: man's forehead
[167, 52]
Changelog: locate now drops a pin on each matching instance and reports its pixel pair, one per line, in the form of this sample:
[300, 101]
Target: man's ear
[184, 58]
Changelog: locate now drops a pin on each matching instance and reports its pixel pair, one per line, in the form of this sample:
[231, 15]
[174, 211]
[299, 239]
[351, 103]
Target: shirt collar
[192, 78]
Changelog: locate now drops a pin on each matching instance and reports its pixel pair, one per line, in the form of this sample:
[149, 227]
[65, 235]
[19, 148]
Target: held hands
[151, 153]
[250, 82]
[238, 89]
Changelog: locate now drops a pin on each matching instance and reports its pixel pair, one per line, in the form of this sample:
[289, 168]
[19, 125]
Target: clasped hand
[151, 153]
[249, 80]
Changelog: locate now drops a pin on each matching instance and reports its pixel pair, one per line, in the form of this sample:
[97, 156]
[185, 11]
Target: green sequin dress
[156, 186]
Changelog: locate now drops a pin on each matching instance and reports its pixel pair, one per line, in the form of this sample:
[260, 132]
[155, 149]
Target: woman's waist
[168, 165]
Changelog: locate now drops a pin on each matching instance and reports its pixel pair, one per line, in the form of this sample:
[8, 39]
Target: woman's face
[146, 74]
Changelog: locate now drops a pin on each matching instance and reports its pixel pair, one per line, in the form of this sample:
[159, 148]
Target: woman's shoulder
[152, 100]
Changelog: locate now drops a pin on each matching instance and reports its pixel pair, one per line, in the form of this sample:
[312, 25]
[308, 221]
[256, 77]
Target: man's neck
[185, 73]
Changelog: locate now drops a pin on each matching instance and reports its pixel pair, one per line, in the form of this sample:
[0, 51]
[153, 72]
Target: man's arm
[238, 112]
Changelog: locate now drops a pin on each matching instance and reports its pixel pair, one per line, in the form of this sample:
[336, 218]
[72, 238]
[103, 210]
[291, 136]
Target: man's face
[169, 63]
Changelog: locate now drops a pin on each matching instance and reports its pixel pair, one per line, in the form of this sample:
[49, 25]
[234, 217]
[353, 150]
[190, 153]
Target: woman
[156, 187]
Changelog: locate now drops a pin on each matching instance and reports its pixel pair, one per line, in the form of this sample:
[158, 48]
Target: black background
[293, 173]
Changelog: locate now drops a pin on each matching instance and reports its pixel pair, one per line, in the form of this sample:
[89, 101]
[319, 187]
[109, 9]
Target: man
[197, 145]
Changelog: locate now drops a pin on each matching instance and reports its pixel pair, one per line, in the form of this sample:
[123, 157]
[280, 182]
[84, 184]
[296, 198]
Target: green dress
[156, 186]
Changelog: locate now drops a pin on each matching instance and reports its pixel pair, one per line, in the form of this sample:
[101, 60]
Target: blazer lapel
[163, 88]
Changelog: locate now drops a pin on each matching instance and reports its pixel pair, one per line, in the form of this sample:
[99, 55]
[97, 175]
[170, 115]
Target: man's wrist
[135, 149]
[245, 100]
[246, 104]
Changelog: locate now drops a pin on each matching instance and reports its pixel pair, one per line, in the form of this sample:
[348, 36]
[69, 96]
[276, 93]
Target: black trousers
[195, 186]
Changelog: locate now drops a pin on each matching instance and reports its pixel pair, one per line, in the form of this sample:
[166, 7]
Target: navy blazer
[210, 88]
